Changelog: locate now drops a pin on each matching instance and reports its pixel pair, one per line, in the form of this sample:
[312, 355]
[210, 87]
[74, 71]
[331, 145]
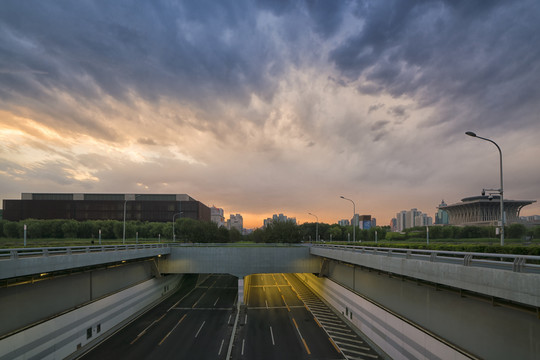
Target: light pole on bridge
[500, 191]
[353, 219]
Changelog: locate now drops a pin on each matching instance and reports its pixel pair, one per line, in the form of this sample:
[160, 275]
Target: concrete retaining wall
[27, 304]
[396, 337]
[72, 331]
[523, 288]
[472, 323]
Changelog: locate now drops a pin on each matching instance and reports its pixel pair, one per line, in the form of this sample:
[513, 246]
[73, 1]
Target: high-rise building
[400, 220]
[344, 222]
[423, 220]
[407, 219]
[393, 225]
[441, 217]
[364, 222]
[216, 215]
[236, 222]
[278, 218]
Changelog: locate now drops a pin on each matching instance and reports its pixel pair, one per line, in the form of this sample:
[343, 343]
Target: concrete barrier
[519, 287]
[71, 332]
[396, 337]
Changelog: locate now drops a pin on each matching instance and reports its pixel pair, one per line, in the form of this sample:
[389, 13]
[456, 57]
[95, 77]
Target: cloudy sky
[263, 107]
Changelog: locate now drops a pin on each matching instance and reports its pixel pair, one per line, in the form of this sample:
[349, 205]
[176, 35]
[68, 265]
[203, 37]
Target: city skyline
[263, 107]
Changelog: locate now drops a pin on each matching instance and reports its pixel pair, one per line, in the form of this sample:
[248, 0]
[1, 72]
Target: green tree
[335, 231]
[516, 231]
[85, 229]
[235, 235]
[11, 229]
[156, 229]
[258, 236]
[70, 228]
[536, 232]
[223, 235]
[35, 228]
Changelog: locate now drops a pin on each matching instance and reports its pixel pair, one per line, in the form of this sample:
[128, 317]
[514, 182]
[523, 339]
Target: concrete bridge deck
[351, 285]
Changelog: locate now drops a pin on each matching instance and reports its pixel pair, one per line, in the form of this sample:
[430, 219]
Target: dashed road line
[272, 335]
[197, 334]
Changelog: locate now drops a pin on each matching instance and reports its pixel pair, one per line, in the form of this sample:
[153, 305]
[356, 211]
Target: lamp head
[470, 133]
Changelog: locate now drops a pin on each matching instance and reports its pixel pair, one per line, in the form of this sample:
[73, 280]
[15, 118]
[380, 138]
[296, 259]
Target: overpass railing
[516, 263]
[17, 253]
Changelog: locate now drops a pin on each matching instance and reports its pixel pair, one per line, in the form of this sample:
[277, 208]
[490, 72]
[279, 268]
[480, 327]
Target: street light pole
[173, 234]
[316, 227]
[470, 133]
[353, 219]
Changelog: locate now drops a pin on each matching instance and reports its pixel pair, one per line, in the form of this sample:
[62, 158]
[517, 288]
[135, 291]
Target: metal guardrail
[235, 245]
[12, 254]
[516, 263]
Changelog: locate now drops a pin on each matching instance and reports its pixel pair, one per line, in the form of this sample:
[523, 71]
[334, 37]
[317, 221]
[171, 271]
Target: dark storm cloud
[192, 51]
[481, 54]
[398, 111]
[375, 107]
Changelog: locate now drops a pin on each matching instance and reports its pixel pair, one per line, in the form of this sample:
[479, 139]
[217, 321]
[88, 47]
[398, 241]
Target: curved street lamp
[316, 227]
[173, 234]
[353, 218]
[500, 191]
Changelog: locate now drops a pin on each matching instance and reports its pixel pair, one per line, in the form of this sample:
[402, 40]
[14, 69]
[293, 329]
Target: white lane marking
[221, 346]
[266, 303]
[272, 335]
[200, 329]
[216, 301]
[245, 319]
[228, 321]
[243, 343]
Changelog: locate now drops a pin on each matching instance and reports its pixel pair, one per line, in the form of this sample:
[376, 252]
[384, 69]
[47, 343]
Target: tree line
[189, 230]
[288, 231]
[513, 231]
[186, 230]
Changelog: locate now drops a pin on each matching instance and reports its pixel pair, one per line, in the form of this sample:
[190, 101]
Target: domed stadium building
[484, 210]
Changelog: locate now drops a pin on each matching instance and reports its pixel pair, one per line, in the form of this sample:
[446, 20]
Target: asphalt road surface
[276, 324]
[194, 323]
[282, 319]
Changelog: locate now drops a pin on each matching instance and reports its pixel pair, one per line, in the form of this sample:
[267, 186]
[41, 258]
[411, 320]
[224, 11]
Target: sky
[267, 107]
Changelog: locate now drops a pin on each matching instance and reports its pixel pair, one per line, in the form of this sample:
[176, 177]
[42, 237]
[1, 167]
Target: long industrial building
[481, 210]
[143, 207]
